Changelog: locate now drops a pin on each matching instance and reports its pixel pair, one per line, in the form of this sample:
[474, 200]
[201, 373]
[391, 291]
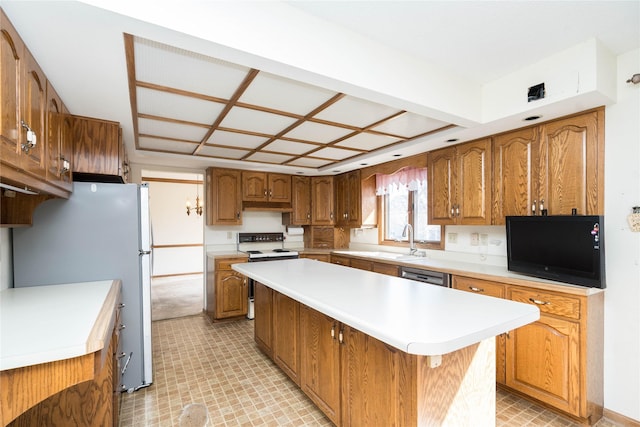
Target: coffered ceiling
[190, 104]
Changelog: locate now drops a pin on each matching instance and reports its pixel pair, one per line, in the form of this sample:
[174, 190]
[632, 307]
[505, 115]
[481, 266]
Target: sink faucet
[412, 247]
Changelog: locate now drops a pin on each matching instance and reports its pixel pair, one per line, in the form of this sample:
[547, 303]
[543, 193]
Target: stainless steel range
[262, 247]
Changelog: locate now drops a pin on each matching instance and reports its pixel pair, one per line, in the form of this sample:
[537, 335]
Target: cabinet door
[224, 197]
[342, 199]
[473, 174]
[97, 146]
[322, 201]
[442, 190]
[231, 294]
[54, 136]
[571, 168]
[66, 149]
[254, 187]
[286, 351]
[354, 199]
[549, 374]
[11, 51]
[34, 101]
[279, 188]
[367, 361]
[263, 318]
[320, 361]
[301, 200]
[361, 264]
[384, 268]
[515, 173]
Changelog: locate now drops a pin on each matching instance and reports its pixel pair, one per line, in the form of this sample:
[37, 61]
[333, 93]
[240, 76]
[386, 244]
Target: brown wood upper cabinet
[557, 166]
[98, 149]
[224, 196]
[322, 201]
[459, 184]
[59, 141]
[300, 202]
[266, 187]
[355, 200]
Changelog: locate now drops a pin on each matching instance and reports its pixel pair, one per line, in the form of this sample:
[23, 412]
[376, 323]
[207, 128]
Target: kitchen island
[371, 349]
[57, 354]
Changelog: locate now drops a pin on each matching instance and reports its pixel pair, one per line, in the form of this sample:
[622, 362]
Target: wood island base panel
[370, 349]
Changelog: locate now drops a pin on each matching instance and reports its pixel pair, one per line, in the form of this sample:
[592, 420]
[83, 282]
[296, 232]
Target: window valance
[409, 178]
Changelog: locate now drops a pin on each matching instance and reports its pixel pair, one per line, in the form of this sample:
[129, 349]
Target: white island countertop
[414, 317]
[42, 324]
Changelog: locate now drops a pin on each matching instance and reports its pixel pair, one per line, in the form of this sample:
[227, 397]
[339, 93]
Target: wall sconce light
[635, 79]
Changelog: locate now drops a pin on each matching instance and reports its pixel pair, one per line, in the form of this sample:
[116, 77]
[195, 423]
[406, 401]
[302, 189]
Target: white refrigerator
[101, 232]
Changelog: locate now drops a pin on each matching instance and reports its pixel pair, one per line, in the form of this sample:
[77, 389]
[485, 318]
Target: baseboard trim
[620, 419]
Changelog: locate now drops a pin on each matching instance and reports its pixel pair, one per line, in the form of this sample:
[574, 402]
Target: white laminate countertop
[41, 324]
[414, 317]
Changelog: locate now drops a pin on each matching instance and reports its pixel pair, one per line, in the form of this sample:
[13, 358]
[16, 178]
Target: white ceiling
[305, 53]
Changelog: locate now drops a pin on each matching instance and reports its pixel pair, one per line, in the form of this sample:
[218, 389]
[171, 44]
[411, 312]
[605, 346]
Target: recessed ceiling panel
[269, 158]
[367, 141]
[256, 121]
[282, 146]
[356, 112]
[316, 132]
[171, 130]
[335, 153]
[309, 162]
[156, 144]
[283, 94]
[225, 153]
[235, 139]
[409, 125]
[170, 105]
[181, 69]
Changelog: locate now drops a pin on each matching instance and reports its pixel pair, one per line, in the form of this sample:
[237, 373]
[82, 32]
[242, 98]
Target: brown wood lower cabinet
[320, 361]
[227, 291]
[558, 359]
[357, 380]
[286, 351]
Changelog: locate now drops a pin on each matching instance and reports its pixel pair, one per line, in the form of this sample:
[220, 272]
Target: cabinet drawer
[225, 264]
[478, 286]
[337, 259]
[388, 269]
[361, 264]
[559, 305]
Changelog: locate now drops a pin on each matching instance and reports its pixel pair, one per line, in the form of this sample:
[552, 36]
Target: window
[404, 201]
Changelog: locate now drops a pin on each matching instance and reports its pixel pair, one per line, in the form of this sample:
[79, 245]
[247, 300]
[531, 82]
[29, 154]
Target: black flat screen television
[567, 249]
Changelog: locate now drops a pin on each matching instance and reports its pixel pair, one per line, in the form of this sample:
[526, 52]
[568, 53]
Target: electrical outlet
[475, 239]
[229, 235]
[484, 240]
[452, 237]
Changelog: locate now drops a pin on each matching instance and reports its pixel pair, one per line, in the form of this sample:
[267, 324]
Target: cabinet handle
[265, 192]
[539, 302]
[533, 207]
[308, 215]
[121, 355]
[541, 206]
[474, 289]
[331, 215]
[122, 305]
[453, 212]
[270, 193]
[333, 331]
[121, 327]
[31, 138]
[457, 210]
[341, 337]
[237, 215]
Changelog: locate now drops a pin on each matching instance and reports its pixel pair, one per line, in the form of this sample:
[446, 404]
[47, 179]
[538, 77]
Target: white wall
[172, 226]
[622, 298]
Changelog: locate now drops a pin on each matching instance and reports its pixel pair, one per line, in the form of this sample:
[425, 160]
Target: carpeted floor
[176, 296]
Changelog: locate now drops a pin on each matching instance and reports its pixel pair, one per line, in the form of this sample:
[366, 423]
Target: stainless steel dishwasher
[426, 276]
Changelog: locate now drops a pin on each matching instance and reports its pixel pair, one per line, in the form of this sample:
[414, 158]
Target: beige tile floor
[218, 366]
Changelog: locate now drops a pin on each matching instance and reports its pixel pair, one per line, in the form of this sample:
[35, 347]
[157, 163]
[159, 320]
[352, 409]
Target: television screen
[568, 249]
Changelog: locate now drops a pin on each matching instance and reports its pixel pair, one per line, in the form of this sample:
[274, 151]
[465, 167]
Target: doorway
[177, 280]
